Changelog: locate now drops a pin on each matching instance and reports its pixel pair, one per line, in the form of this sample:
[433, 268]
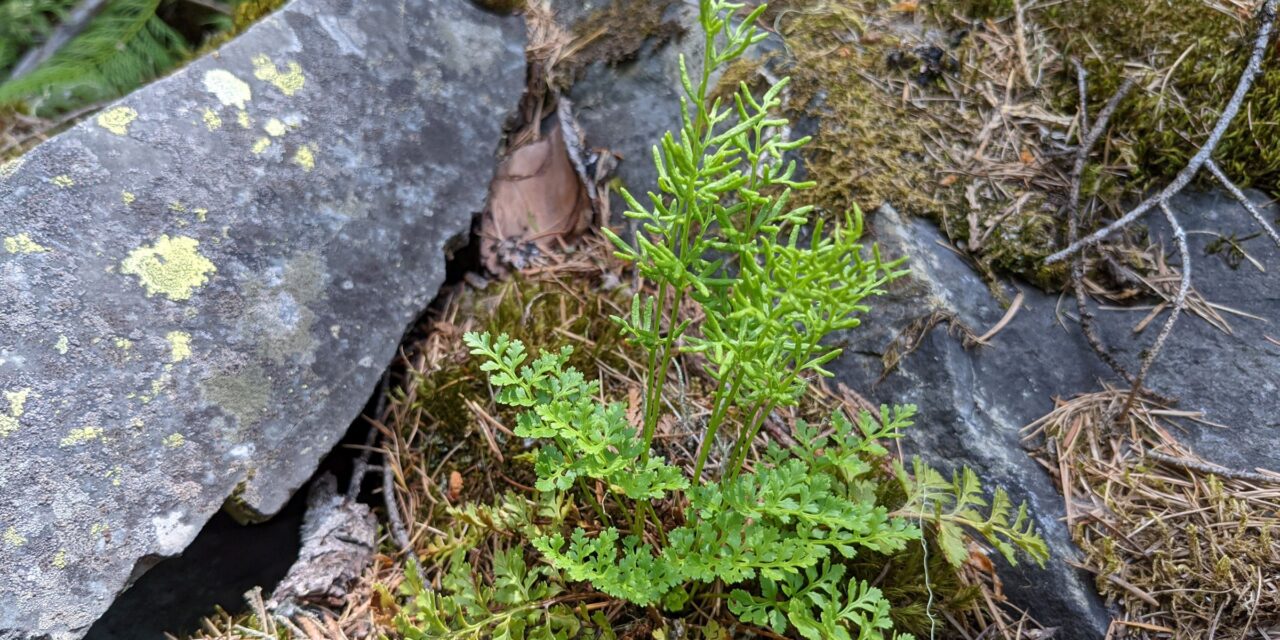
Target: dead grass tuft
[1187, 547]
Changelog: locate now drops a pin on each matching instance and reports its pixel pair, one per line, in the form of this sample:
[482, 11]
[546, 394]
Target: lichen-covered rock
[200, 285]
[973, 402]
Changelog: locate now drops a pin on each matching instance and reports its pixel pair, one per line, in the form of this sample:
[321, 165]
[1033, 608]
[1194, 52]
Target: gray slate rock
[974, 402]
[200, 286]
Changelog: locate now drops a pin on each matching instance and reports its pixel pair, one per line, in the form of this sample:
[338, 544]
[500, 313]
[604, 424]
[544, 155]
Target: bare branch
[1082, 78]
[1243, 200]
[1087, 141]
[1179, 303]
[1267, 19]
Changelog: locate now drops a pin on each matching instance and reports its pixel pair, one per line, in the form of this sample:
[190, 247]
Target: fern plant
[776, 540]
[720, 231]
[128, 43]
[124, 46]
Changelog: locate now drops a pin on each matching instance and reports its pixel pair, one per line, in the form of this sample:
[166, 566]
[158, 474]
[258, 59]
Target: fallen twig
[1088, 139]
[1179, 303]
[399, 534]
[1266, 24]
[1208, 468]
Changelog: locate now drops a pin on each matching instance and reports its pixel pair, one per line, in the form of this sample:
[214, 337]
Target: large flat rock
[200, 286]
[973, 402]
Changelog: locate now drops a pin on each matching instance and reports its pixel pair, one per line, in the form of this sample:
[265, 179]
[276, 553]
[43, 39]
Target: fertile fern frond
[123, 47]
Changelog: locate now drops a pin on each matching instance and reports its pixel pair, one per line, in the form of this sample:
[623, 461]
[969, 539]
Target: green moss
[1191, 55]
[615, 34]
[869, 148]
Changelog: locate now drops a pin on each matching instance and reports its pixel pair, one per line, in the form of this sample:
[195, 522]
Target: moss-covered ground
[965, 111]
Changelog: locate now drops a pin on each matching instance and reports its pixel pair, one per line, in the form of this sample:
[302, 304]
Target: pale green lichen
[179, 345]
[305, 158]
[175, 440]
[10, 167]
[60, 559]
[117, 120]
[201, 214]
[63, 181]
[288, 82]
[275, 128]
[80, 436]
[62, 346]
[17, 404]
[230, 90]
[261, 145]
[127, 198]
[212, 120]
[22, 243]
[171, 267]
[123, 344]
[157, 386]
[12, 538]
[244, 394]
[243, 119]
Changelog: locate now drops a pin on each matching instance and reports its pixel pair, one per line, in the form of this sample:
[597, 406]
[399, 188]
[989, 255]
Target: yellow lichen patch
[62, 345]
[275, 128]
[22, 243]
[17, 401]
[201, 214]
[157, 386]
[114, 475]
[288, 82]
[63, 181]
[98, 529]
[212, 121]
[261, 145]
[230, 90]
[171, 267]
[117, 120]
[127, 198]
[175, 440]
[179, 345]
[177, 207]
[124, 344]
[81, 436]
[60, 559]
[12, 538]
[8, 168]
[244, 120]
[305, 158]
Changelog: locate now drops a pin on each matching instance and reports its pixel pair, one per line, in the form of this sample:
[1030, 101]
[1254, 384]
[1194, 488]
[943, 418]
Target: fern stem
[724, 397]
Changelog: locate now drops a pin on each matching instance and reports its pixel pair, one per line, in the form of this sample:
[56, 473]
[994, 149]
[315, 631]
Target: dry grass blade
[1189, 548]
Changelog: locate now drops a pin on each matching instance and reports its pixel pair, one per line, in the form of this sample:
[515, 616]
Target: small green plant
[774, 539]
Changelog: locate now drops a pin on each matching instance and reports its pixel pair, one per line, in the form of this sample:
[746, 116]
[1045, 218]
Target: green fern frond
[956, 506]
[24, 23]
[119, 50]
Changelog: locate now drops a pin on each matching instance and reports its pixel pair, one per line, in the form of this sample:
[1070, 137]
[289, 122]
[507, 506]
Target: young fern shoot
[721, 232]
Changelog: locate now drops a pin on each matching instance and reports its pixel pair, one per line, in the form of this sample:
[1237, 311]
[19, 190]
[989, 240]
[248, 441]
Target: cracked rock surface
[200, 286]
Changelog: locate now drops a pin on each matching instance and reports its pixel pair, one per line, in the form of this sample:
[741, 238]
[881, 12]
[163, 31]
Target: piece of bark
[338, 541]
